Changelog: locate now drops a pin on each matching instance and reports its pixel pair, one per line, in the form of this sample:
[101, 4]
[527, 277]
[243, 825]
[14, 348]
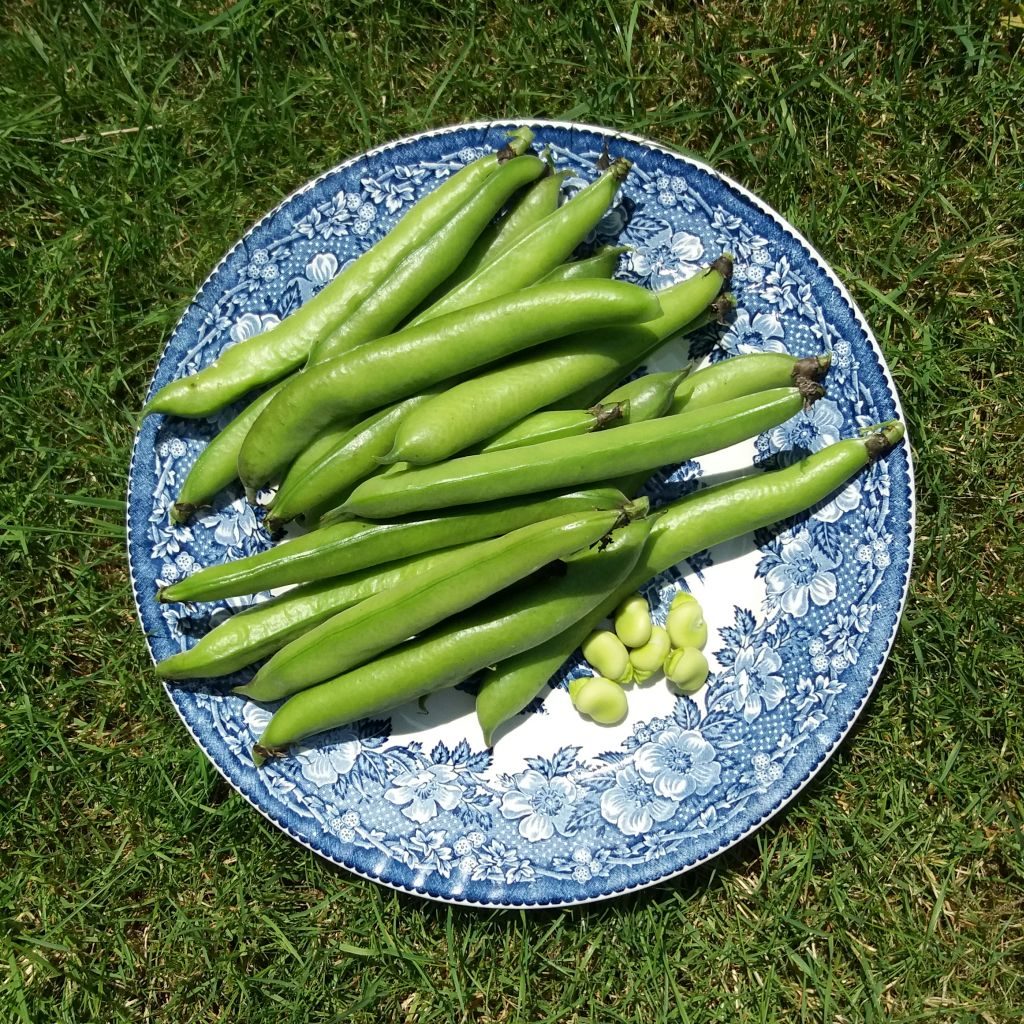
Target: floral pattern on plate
[561, 811]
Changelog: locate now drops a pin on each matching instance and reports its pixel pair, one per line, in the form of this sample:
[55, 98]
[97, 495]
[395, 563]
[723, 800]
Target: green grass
[137, 141]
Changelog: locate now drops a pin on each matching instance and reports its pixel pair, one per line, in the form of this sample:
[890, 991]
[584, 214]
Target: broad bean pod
[717, 312]
[260, 630]
[539, 251]
[380, 623]
[642, 399]
[538, 203]
[570, 461]
[323, 475]
[348, 546]
[602, 264]
[746, 375]
[217, 465]
[427, 266]
[736, 377]
[485, 404]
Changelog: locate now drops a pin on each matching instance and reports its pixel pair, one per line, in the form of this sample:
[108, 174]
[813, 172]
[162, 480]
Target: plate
[562, 811]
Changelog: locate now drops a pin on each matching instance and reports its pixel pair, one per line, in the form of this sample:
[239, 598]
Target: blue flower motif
[248, 325]
[309, 226]
[671, 191]
[780, 286]
[338, 214]
[499, 863]
[631, 805]
[667, 256]
[393, 192]
[654, 845]
[422, 795]
[861, 616]
[176, 615]
[845, 501]
[677, 763]
[165, 544]
[167, 536]
[750, 272]
[801, 575]
[874, 550]
[842, 360]
[765, 772]
[813, 721]
[255, 718]
[759, 684]
[761, 333]
[812, 692]
[234, 525]
[811, 430]
[726, 226]
[170, 571]
[843, 640]
[322, 268]
[324, 764]
[427, 851]
[543, 806]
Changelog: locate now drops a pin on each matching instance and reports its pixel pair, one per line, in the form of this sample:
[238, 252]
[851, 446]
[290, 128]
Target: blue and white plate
[563, 811]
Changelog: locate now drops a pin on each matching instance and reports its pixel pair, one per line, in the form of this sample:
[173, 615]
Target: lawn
[138, 140]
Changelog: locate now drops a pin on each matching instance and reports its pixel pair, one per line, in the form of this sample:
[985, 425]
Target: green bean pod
[326, 441]
[539, 202]
[274, 353]
[479, 407]
[485, 404]
[428, 266]
[602, 264]
[455, 650]
[380, 623]
[324, 474]
[642, 399]
[264, 628]
[408, 362]
[539, 251]
[746, 375]
[647, 397]
[552, 424]
[574, 460]
[716, 312]
[734, 378]
[698, 521]
[217, 465]
[348, 546]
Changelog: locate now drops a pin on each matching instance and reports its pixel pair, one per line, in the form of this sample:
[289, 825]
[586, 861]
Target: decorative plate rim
[784, 799]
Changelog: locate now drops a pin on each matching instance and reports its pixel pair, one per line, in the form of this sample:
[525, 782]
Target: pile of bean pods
[446, 418]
